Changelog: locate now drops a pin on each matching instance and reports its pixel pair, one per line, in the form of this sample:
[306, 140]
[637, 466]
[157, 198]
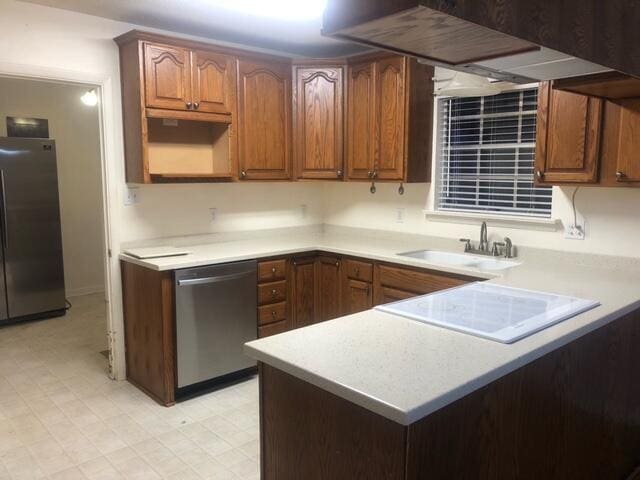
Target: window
[486, 149]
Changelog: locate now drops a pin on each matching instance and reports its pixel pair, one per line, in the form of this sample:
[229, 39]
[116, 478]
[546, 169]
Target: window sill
[525, 223]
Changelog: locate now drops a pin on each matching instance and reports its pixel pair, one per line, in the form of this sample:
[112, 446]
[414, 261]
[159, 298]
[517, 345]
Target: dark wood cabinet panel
[272, 329]
[149, 330]
[271, 270]
[568, 136]
[167, 77]
[390, 118]
[318, 122]
[358, 296]
[304, 291]
[273, 292]
[361, 121]
[329, 288]
[214, 82]
[359, 270]
[626, 135]
[388, 295]
[276, 312]
[264, 133]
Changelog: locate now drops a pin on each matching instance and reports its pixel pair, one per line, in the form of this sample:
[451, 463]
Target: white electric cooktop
[503, 314]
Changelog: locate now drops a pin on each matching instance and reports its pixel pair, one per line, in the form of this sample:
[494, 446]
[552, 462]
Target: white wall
[612, 217]
[76, 129]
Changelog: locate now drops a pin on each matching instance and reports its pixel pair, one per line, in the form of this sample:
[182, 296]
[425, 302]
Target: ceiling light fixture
[280, 9]
[467, 85]
[90, 98]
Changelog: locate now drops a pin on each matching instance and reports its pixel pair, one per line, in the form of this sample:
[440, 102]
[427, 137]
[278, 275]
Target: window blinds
[486, 149]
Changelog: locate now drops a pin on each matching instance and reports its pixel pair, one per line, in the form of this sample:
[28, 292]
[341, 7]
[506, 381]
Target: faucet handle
[508, 251]
[467, 242]
[496, 248]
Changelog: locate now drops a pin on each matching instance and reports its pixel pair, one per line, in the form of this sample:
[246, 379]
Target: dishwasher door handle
[219, 278]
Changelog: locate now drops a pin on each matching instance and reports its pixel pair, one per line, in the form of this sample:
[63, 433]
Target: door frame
[111, 154]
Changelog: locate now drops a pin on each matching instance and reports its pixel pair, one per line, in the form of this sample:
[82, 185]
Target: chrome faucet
[484, 242]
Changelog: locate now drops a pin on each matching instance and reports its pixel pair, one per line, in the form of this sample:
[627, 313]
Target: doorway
[70, 115]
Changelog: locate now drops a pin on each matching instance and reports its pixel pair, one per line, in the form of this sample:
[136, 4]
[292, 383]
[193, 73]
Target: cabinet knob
[337, 264]
[243, 174]
[273, 314]
[196, 105]
[339, 173]
[273, 270]
[375, 174]
[370, 174]
[357, 272]
[539, 174]
[620, 175]
[274, 292]
[189, 105]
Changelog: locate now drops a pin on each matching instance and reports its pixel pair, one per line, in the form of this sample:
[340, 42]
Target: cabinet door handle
[339, 173]
[620, 176]
[539, 175]
[189, 105]
[243, 174]
[370, 174]
[337, 264]
[196, 106]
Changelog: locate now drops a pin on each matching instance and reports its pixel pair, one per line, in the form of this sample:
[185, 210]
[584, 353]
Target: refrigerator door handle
[5, 230]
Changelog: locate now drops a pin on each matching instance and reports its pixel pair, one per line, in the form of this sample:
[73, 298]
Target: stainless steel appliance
[216, 313]
[32, 277]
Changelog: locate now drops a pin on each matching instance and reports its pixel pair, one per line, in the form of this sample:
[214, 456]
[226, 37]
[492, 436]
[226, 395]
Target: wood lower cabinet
[568, 136]
[318, 121]
[358, 296]
[393, 282]
[149, 330]
[264, 131]
[329, 288]
[274, 310]
[304, 293]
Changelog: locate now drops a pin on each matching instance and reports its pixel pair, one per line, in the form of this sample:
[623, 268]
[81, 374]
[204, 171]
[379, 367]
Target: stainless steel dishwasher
[216, 313]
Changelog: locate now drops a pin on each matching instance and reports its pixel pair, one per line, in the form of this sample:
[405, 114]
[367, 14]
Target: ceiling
[202, 18]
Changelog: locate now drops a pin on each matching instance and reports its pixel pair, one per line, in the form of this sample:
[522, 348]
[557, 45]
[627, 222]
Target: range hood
[533, 66]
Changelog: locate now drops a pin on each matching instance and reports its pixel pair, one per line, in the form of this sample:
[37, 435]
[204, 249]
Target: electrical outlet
[399, 215]
[213, 214]
[131, 196]
[575, 232]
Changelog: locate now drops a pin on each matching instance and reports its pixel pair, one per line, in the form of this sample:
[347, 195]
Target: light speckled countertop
[402, 369]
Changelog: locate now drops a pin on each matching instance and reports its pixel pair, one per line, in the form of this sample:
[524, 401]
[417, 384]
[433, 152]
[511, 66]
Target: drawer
[420, 282]
[388, 295]
[272, 292]
[272, 313]
[272, 270]
[362, 271]
[272, 329]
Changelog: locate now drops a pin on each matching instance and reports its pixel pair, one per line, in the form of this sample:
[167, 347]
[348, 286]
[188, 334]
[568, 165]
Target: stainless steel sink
[461, 260]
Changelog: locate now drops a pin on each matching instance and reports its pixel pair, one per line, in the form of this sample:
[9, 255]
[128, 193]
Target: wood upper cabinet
[568, 136]
[304, 291]
[329, 288]
[390, 137]
[361, 120]
[389, 119]
[318, 122]
[621, 143]
[264, 106]
[213, 81]
[167, 77]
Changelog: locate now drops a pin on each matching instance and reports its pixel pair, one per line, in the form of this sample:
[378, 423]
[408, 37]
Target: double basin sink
[461, 260]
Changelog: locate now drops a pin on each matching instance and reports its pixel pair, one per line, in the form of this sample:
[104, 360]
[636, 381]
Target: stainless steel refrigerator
[32, 275]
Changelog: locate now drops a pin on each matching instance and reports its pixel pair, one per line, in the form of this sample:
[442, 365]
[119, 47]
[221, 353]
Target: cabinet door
[318, 123]
[360, 120]
[568, 136]
[390, 118]
[167, 77]
[304, 291]
[388, 295]
[213, 82]
[329, 289]
[264, 120]
[628, 140]
[358, 296]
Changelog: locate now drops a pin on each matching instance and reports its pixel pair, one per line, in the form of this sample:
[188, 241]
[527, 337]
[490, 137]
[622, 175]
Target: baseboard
[77, 292]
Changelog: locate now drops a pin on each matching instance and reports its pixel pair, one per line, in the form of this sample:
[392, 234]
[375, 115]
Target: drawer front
[362, 271]
[272, 270]
[272, 329]
[388, 295]
[416, 281]
[273, 292]
[272, 313]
